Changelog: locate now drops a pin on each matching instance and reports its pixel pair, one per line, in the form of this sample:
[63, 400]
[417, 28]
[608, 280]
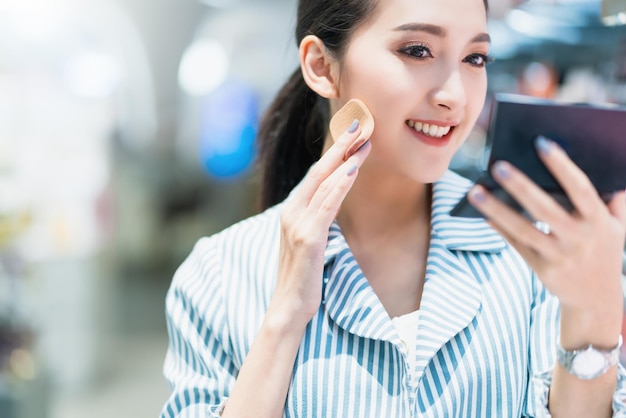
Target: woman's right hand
[305, 220]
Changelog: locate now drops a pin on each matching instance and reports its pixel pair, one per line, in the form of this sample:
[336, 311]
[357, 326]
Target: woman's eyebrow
[482, 37]
[438, 31]
[423, 27]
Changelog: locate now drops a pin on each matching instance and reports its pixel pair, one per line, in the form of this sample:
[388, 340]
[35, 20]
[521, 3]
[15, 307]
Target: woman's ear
[319, 68]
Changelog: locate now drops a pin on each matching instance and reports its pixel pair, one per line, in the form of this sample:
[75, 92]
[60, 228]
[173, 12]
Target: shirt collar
[354, 306]
[336, 242]
[466, 234]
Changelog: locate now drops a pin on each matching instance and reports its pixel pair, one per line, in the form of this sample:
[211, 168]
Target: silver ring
[542, 227]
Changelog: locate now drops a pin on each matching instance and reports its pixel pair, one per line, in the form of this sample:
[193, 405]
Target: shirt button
[405, 346]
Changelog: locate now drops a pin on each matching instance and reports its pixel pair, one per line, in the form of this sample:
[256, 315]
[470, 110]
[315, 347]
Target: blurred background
[127, 132]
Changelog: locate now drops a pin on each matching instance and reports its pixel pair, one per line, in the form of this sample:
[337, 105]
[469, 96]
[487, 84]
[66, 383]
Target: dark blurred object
[620, 62]
[22, 388]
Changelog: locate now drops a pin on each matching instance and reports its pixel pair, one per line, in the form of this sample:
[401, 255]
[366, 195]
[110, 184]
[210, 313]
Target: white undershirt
[406, 326]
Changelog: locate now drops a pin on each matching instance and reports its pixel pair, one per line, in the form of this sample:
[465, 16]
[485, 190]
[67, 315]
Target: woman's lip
[430, 140]
[435, 122]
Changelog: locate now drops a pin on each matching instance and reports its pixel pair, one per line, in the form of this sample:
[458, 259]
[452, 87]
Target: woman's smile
[439, 139]
[436, 134]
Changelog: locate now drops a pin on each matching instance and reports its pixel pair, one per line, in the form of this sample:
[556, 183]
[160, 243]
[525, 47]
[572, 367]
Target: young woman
[355, 293]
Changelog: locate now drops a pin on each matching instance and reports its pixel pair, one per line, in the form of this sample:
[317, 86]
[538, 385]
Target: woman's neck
[381, 204]
[386, 221]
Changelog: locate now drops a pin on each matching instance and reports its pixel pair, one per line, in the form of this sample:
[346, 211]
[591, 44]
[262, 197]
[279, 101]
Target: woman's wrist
[271, 361]
[599, 326]
[284, 319]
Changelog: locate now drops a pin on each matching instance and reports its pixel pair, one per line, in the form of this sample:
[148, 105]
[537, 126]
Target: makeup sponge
[354, 109]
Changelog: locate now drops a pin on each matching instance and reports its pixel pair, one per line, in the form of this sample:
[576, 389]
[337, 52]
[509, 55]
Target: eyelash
[411, 50]
[486, 59]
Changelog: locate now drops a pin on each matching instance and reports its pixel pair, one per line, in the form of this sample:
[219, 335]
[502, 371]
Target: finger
[533, 258]
[539, 205]
[511, 222]
[617, 207]
[330, 202]
[574, 181]
[337, 179]
[328, 162]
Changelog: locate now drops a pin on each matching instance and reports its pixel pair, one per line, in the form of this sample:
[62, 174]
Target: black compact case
[594, 137]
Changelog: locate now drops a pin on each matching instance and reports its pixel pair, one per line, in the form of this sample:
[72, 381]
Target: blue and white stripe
[486, 332]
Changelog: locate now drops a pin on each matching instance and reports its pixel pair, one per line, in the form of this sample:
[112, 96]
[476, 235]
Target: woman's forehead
[468, 15]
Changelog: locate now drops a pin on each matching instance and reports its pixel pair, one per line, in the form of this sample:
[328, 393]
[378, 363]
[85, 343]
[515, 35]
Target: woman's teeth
[428, 129]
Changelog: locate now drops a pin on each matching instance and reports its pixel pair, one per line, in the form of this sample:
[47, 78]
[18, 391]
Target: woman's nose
[450, 93]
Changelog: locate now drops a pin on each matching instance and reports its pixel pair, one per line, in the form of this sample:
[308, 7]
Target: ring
[542, 227]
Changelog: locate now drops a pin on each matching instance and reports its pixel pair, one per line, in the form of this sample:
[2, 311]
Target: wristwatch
[588, 363]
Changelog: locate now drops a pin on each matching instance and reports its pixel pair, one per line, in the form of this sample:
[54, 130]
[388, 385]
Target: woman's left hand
[580, 259]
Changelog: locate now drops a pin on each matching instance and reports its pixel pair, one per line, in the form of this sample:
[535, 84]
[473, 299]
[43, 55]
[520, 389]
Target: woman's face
[419, 65]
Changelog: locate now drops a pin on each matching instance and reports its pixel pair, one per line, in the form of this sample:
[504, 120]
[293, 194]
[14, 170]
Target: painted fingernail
[352, 170]
[477, 195]
[501, 169]
[355, 125]
[543, 145]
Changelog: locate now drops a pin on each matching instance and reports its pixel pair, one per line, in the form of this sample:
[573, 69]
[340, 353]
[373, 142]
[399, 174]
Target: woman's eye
[417, 51]
[478, 60]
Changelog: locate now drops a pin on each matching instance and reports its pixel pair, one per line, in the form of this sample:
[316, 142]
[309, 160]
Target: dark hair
[292, 132]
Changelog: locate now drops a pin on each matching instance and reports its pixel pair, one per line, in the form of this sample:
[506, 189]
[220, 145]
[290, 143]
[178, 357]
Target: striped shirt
[487, 327]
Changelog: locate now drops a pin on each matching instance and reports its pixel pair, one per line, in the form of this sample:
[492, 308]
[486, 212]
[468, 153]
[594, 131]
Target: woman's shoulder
[253, 231]
[246, 246]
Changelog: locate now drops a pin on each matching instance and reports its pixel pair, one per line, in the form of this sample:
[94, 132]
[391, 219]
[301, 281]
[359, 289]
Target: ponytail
[292, 132]
[291, 136]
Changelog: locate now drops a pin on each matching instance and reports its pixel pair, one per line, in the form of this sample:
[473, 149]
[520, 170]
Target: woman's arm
[263, 381]
[578, 261]
[569, 395]
[199, 364]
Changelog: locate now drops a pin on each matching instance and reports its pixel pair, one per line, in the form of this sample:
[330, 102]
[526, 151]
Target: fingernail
[501, 169]
[355, 125]
[477, 195]
[352, 170]
[543, 145]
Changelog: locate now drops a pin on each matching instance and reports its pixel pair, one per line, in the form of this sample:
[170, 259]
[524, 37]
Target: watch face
[588, 363]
